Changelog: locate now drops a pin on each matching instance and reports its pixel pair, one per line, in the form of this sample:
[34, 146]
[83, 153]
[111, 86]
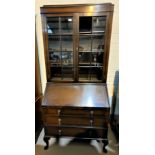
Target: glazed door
[60, 47]
[76, 46]
[91, 47]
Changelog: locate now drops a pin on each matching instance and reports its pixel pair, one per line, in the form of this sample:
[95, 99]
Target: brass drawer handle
[59, 111]
[92, 112]
[91, 122]
[60, 132]
[59, 120]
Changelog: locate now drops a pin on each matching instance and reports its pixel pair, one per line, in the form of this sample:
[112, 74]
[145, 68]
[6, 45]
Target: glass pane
[55, 57]
[97, 58]
[84, 58]
[66, 24]
[85, 43]
[67, 43]
[56, 73]
[54, 43]
[53, 25]
[84, 73]
[98, 43]
[85, 24]
[67, 58]
[96, 73]
[99, 24]
[67, 73]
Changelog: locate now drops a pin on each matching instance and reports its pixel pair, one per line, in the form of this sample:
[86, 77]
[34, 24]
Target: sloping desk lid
[76, 95]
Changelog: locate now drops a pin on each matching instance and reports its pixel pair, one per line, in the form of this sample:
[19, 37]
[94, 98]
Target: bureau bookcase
[76, 48]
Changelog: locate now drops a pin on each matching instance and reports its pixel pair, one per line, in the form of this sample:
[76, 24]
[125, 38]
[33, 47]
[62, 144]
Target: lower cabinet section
[64, 116]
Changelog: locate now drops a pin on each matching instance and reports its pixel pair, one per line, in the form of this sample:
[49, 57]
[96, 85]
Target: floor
[66, 147]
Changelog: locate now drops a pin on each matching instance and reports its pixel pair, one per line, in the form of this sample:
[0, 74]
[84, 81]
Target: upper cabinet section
[77, 42]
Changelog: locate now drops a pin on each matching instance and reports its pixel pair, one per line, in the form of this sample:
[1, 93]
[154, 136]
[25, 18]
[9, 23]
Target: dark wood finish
[77, 8]
[76, 11]
[69, 108]
[78, 132]
[105, 143]
[46, 140]
[114, 117]
[75, 120]
[66, 112]
[93, 95]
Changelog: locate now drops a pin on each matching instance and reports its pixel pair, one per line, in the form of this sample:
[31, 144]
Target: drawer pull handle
[59, 112]
[59, 120]
[60, 132]
[91, 112]
[91, 122]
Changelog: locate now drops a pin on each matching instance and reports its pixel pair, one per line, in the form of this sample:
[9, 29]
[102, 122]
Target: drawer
[56, 131]
[66, 121]
[76, 132]
[82, 112]
[61, 111]
[85, 112]
[49, 110]
[77, 121]
[100, 122]
[101, 112]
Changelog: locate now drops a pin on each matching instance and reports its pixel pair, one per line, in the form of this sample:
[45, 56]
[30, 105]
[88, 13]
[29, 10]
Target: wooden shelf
[91, 51]
[60, 34]
[90, 66]
[58, 51]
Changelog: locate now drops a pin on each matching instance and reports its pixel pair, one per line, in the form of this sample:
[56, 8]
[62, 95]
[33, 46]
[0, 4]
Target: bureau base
[77, 110]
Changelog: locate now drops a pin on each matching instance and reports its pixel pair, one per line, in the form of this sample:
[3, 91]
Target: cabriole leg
[105, 143]
[46, 139]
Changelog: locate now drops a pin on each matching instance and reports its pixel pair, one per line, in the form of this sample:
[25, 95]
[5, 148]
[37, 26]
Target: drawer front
[102, 112]
[60, 111]
[100, 122]
[75, 121]
[82, 112]
[66, 121]
[49, 110]
[56, 131]
[96, 121]
[76, 132]
[75, 112]
[85, 112]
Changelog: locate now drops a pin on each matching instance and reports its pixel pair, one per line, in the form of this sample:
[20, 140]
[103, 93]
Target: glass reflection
[98, 43]
[99, 24]
[66, 24]
[85, 43]
[67, 43]
[52, 25]
[54, 43]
